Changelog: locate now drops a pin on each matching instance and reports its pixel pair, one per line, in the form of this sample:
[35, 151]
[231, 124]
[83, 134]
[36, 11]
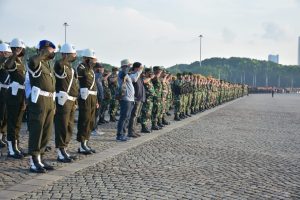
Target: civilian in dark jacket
[139, 98]
[98, 70]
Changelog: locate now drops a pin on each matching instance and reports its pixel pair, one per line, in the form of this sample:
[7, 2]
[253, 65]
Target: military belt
[22, 87]
[69, 97]
[4, 86]
[93, 92]
[47, 94]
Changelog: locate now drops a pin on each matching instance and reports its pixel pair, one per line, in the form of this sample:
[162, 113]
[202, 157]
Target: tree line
[252, 72]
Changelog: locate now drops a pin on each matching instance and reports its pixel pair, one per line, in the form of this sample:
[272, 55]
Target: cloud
[272, 31]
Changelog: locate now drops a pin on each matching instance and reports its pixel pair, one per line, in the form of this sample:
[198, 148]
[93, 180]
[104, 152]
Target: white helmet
[17, 43]
[88, 53]
[67, 48]
[5, 47]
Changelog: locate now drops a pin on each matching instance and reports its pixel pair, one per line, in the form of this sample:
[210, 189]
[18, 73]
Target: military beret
[178, 74]
[98, 65]
[148, 70]
[46, 43]
[114, 69]
[156, 68]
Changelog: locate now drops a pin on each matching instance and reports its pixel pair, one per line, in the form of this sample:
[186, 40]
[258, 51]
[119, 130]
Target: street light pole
[65, 25]
[200, 36]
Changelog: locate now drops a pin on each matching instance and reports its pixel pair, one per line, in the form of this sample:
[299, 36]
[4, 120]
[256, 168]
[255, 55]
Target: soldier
[106, 97]
[41, 105]
[177, 91]
[114, 103]
[5, 52]
[165, 91]
[148, 105]
[15, 97]
[157, 106]
[87, 101]
[170, 94]
[66, 93]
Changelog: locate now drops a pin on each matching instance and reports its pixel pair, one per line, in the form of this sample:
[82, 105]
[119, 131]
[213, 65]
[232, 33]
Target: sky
[159, 32]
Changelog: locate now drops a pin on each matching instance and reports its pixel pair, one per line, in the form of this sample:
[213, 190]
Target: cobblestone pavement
[247, 150]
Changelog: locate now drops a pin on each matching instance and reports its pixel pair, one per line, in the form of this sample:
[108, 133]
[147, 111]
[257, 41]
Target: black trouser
[86, 119]
[40, 124]
[64, 123]
[15, 110]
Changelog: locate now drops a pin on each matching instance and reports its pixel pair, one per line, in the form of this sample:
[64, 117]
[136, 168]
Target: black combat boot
[62, 156]
[35, 165]
[177, 118]
[145, 129]
[155, 127]
[84, 148]
[13, 151]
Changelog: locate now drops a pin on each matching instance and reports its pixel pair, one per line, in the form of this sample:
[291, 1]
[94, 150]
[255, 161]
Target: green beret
[148, 70]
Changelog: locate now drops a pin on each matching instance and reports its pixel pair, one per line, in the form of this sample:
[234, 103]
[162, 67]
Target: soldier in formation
[54, 90]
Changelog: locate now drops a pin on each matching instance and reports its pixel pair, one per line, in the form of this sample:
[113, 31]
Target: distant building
[273, 58]
[299, 51]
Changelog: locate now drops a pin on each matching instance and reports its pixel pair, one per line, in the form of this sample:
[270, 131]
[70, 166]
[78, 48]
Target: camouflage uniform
[177, 89]
[165, 91]
[107, 98]
[114, 103]
[157, 106]
[148, 104]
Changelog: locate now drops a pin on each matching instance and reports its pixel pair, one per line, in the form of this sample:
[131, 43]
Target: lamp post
[65, 25]
[200, 36]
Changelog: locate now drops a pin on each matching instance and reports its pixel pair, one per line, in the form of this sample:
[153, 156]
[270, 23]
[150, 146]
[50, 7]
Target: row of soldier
[54, 93]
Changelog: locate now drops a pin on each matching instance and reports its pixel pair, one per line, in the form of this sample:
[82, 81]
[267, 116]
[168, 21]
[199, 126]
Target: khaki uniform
[66, 81]
[41, 113]
[87, 108]
[15, 102]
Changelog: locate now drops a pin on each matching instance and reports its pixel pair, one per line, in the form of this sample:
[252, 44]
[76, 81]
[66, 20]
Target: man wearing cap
[87, 101]
[126, 96]
[114, 103]
[139, 99]
[41, 105]
[66, 95]
[148, 104]
[5, 52]
[157, 104]
[15, 97]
